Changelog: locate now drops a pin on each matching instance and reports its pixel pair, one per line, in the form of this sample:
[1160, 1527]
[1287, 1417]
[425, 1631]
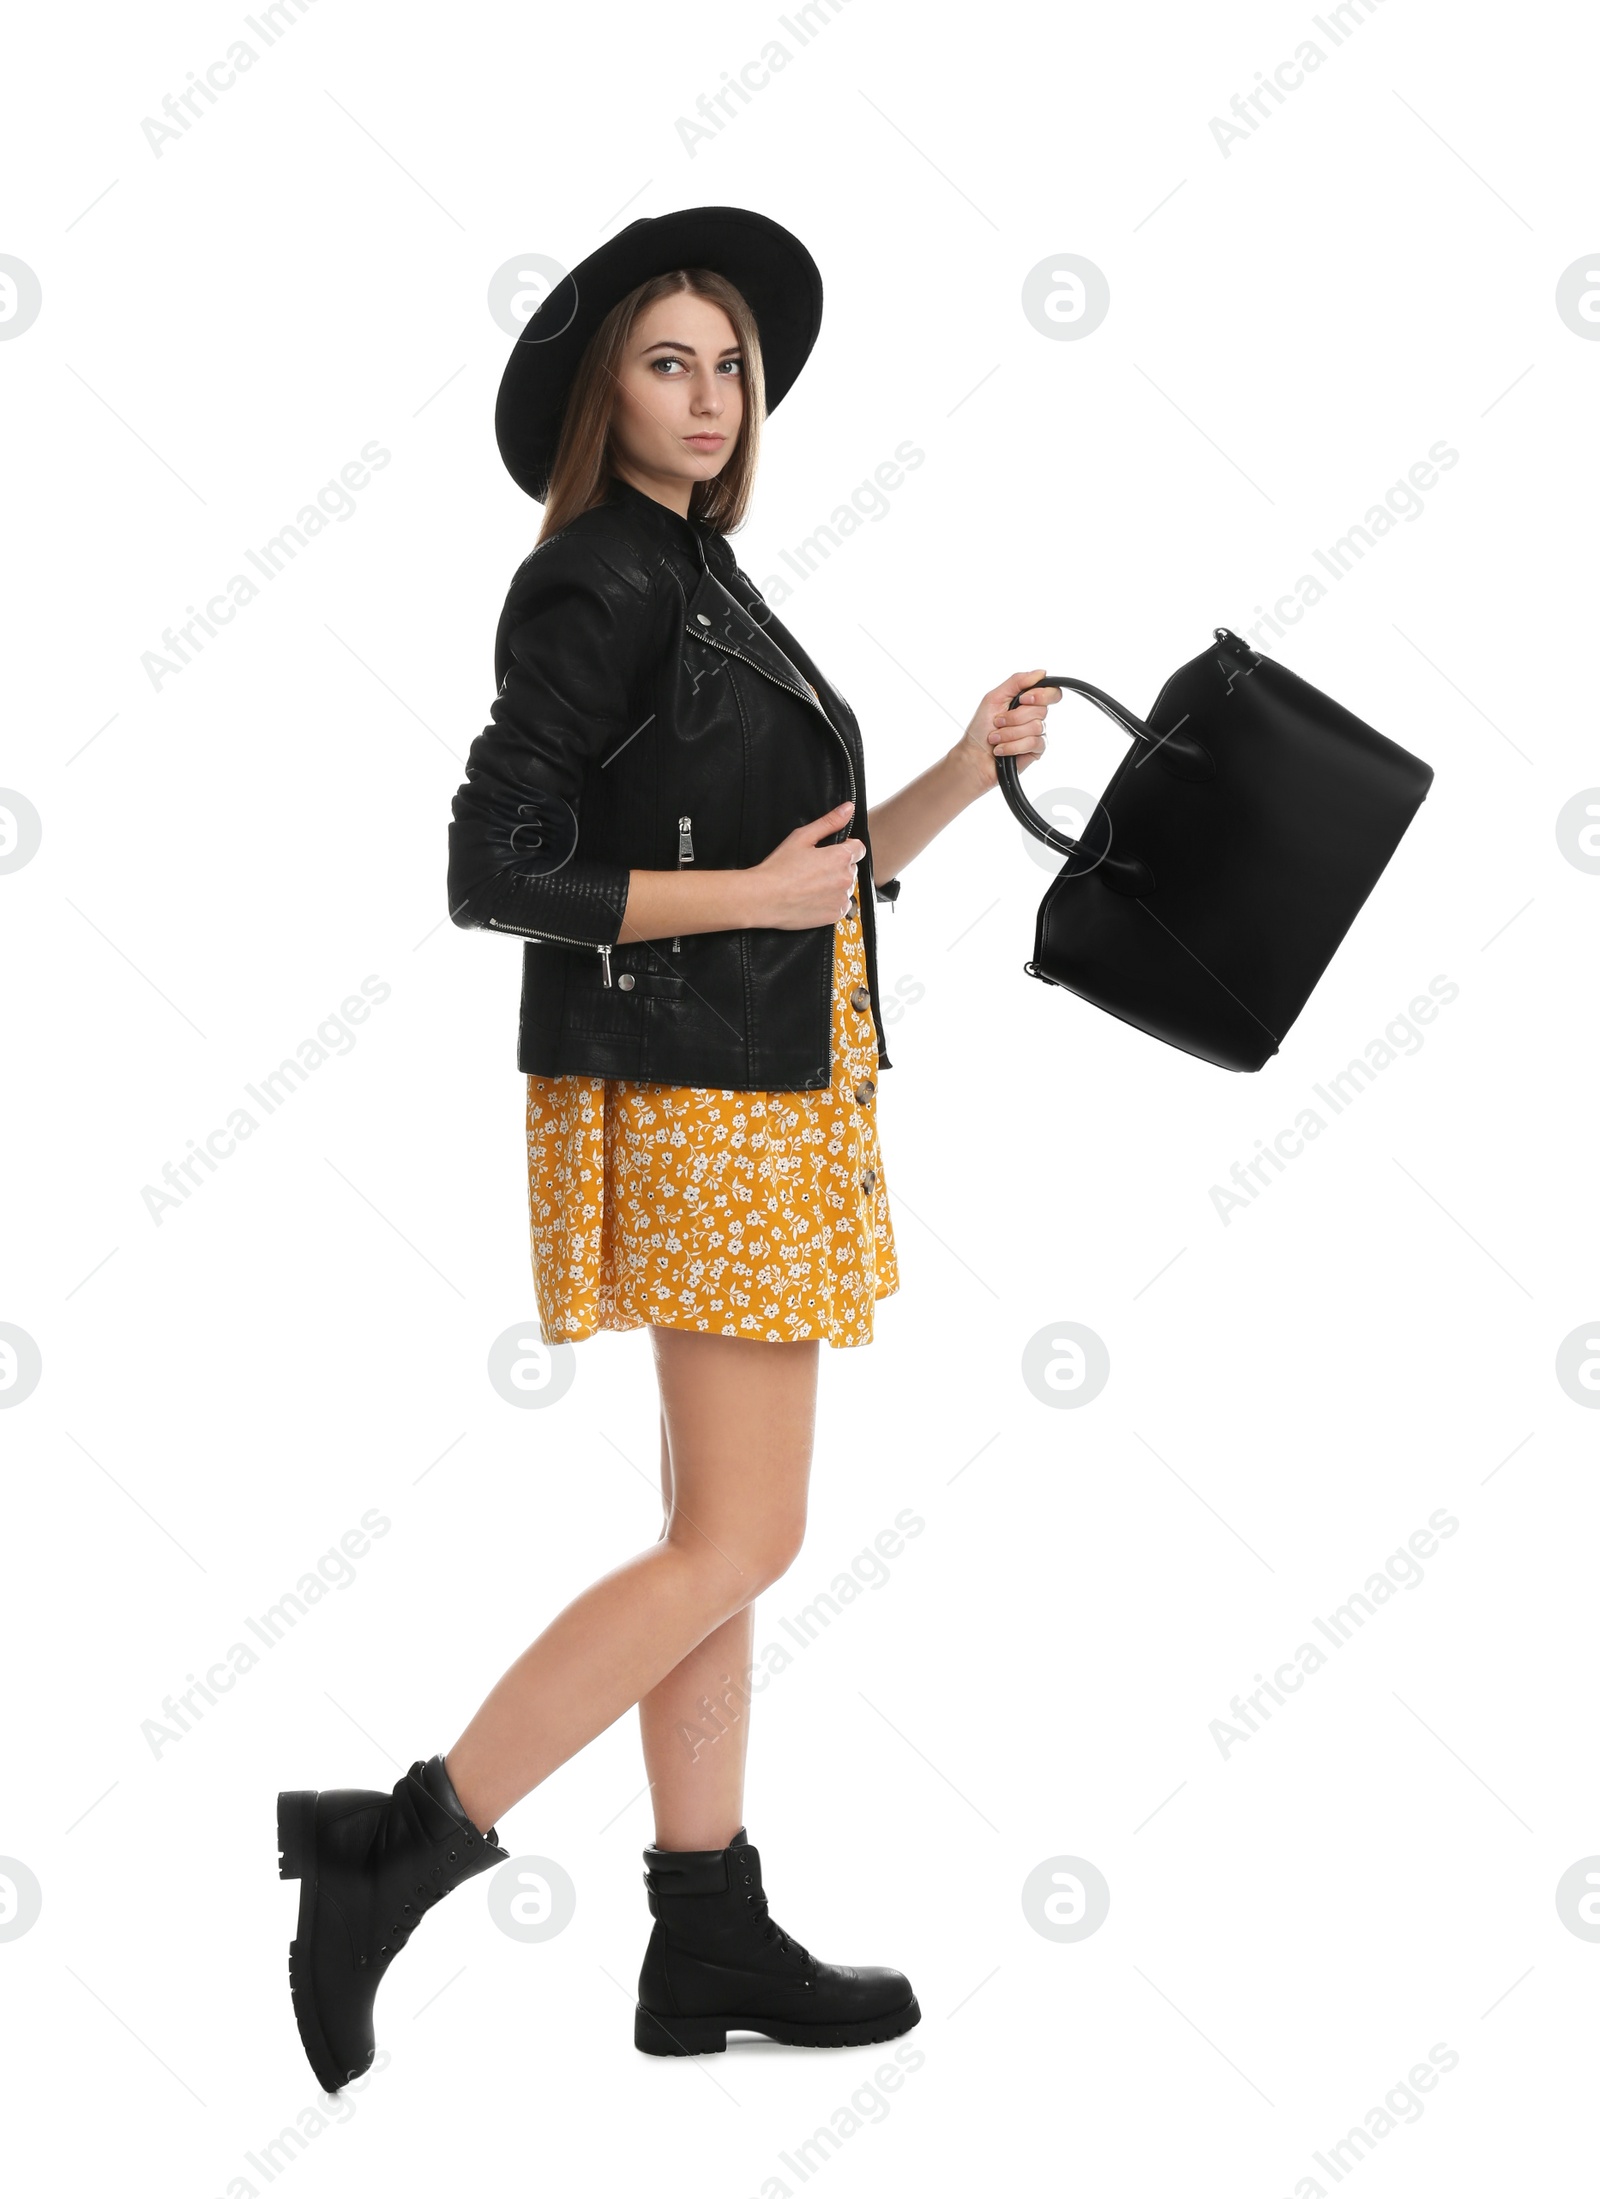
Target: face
[681, 401]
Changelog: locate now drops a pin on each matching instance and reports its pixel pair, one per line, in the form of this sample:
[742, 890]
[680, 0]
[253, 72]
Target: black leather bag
[1227, 858]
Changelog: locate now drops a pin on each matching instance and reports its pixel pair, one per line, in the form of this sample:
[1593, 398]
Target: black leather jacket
[653, 711]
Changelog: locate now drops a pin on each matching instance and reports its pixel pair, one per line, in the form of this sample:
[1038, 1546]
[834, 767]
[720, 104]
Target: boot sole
[297, 1859]
[653, 2034]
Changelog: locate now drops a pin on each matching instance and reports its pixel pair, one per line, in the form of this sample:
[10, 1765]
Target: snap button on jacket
[652, 711]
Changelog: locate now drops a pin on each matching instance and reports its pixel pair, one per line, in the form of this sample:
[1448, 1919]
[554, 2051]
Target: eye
[666, 361]
[736, 366]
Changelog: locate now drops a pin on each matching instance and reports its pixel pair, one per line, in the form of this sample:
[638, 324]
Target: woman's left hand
[998, 730]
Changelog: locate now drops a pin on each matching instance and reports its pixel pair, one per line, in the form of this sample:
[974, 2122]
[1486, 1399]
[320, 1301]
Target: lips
[706, 442]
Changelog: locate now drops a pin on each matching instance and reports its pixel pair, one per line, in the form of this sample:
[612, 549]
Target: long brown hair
[583, 468]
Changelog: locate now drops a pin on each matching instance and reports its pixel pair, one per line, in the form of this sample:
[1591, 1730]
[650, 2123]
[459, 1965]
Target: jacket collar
[703, 547]
[714, 612]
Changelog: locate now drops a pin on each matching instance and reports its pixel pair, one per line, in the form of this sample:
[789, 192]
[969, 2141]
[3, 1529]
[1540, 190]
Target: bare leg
[695, 1725]
[740, 1418]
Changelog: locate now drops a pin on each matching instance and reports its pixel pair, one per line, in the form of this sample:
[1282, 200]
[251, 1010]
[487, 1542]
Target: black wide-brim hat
[771, 269]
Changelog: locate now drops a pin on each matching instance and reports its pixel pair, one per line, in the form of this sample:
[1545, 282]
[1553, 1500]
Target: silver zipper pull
[605, 957]
[685, 856]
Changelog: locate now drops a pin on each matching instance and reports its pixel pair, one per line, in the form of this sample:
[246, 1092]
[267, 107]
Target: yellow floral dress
[756, 1214]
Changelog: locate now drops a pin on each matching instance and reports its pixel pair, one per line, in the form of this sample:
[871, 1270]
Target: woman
[669, 808]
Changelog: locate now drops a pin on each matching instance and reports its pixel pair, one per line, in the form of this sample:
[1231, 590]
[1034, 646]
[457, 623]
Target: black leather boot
[717, 1962]
[370, 1865]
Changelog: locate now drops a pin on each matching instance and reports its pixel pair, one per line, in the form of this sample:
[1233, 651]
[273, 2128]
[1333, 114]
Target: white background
[1293, 1926]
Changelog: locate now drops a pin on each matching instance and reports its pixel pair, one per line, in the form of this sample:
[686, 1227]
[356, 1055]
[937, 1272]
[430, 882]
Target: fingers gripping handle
[1180, 754]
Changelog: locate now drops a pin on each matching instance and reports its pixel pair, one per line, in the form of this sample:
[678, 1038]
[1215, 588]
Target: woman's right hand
[802, 885]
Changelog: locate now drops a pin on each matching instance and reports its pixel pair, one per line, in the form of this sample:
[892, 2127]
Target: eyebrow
[671, 343]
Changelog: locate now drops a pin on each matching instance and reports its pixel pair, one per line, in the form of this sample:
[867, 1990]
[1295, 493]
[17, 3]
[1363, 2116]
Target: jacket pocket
[637, 976]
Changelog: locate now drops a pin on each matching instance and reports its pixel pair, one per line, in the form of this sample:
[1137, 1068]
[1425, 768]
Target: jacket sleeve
[574, 633]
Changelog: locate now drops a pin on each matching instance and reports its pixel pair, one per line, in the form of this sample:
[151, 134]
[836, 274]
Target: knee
[736, 1567]
[770, 1555]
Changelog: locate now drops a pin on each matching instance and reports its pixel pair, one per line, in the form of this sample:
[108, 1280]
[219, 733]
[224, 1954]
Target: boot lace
[426, 1895]
[772, 1932]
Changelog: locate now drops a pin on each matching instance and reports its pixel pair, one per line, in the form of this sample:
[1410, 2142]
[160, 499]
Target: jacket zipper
[711, 642]
[685, 857]
[699, 634]
[561, 941]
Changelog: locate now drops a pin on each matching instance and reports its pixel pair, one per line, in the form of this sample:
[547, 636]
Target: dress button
[625, 982]
[869, 1179]
[860, 999]
[864, 1091]
[701, 616]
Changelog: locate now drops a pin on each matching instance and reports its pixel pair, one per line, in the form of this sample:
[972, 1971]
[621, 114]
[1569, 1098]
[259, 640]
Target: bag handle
[1179, 752]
